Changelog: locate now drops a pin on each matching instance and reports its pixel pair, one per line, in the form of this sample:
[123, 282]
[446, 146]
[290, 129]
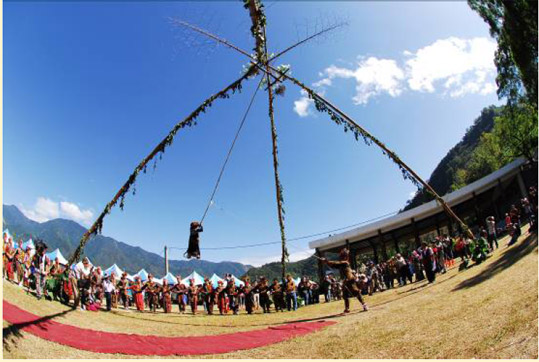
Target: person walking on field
[350, 287]
[491, 233]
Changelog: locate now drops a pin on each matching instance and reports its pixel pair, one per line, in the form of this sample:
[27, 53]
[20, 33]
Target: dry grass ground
[487, 311]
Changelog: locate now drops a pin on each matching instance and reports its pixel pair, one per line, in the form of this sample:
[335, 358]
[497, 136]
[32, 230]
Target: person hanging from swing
[193, 249]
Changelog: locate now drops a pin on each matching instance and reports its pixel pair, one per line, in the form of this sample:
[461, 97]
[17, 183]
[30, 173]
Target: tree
[516, 131]
[513, 23]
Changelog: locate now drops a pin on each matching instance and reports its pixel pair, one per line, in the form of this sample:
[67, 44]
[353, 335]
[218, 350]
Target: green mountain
[105, 251]
[445, 173]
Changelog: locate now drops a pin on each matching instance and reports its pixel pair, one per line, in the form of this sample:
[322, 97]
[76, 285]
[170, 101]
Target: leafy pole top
[261, 63]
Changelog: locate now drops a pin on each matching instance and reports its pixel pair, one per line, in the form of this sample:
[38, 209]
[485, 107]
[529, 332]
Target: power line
[228, 247]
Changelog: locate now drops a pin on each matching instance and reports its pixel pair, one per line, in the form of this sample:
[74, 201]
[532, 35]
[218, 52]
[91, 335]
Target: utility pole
[166, 260]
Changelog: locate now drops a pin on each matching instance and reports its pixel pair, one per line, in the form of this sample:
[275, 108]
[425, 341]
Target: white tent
[131, 278]
[29, 243]
[56, 254]
[194, 275]
[80, 265]
[215, 280]
[237, 281]
[114, 269]
[296, 281]
[171, 279]
[143, 274]
[158, 280]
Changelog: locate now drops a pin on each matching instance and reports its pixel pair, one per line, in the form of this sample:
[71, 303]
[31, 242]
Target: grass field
[487, 311]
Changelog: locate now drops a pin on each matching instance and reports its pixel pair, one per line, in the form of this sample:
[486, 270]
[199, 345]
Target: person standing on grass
[193, 292]
[123, 289]
[10, 258]
[19, 263]
[350, 287]
[514, 213]
[109, 288]
[304, 289]
[136, 288]
[166, 297]
[40, 274]
[263, 289]
[291, 294]
[491, 232]
[277, 295]
[429, 262]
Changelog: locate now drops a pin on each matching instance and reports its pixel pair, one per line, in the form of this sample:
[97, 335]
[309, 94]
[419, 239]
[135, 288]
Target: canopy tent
[215, 280]
[194, 275]
[29, 243]
[56, 254]
[79, 264]
[158, 280]
[143, 274]
[296, 281]
[114, 269]
[237, 281]
[171, 279]
[131, 278]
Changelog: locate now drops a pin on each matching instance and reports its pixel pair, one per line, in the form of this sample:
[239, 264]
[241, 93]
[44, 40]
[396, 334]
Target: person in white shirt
[491, 232]
[83, 272]
[109, 288]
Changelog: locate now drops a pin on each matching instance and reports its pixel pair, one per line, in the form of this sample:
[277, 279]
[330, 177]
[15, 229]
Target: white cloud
[462, 65]
[302, 105]
[373, 77]
[454, 67]
[73, 212]
[46, 209]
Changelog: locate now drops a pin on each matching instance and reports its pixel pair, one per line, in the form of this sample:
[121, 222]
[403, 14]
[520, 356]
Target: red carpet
[133, 344]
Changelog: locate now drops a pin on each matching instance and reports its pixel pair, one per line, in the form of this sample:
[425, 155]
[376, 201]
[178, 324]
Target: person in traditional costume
[247, 291]
[429, 262]
[136, 288]
[96, 284]
[152, 292]
[233, 296]
[263, 290]
[222, 300]
[27, 267]
[193, 292]
[278, 296]
[123, 289]
[4, 259]
[114, 294]
[193, 250]
[181, 292]
[166, 296]
[350, 287]
[209, 295]
[19, 263]
[10, 258]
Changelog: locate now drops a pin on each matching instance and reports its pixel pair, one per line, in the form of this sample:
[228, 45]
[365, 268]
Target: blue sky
[90, 88]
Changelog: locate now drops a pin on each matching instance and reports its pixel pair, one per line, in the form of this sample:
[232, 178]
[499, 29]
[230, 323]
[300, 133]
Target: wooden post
[166, 260]
[396, 242]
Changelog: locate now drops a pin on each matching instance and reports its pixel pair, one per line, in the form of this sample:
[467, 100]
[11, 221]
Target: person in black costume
[193, 250]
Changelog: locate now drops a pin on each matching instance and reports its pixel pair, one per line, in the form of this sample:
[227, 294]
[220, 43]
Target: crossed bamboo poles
[261, 62]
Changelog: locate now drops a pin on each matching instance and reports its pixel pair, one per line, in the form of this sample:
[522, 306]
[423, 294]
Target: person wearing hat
[221, 298]
[181, 291]
[349, 280]
[123, 288]
[136, 288]
[166, 296]
[262, 288]
[208, 295]
[193, 292]
[152, 292]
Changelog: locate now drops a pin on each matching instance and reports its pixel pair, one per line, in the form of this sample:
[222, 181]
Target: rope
[230, 152]
[296, 238]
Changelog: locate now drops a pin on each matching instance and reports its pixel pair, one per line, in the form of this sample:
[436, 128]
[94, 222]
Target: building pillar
[438, 227]
[396, 243]
[521, 184]
[374, 251]
[353, 259]
[321, 275]
[382, 244]
[416, 234]
[476, 209]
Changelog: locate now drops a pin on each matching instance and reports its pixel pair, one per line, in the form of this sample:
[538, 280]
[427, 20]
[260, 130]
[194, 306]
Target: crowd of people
[87, 288]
